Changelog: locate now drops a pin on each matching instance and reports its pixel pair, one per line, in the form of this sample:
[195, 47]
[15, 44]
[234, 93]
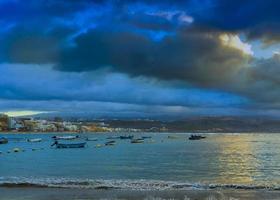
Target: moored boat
[196, 137]
[91, 139]
[126, 137]
[70, 137]
[110, 143]
[3, 140]
[71, 145]
[146, 137]
[138, 140]
[34, 140]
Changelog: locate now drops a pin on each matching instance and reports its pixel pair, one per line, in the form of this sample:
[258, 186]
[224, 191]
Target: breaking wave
[141, 184]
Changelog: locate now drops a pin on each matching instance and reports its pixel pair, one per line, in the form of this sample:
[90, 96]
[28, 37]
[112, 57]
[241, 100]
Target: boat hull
[129, 137]
[137, 141]
[65, 137]
[70, 146]
[34, 140]
[196, 137]
[3, 141]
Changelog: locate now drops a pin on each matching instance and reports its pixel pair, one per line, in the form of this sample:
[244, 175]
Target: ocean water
[238, 161]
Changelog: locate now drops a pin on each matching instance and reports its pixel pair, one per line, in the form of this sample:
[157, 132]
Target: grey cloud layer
[41, 83]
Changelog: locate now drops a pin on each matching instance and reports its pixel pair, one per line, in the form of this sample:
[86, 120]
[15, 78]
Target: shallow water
[248, 161]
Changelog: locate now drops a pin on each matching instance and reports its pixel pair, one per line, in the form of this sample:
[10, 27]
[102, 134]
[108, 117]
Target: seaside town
[58, 124]
[83, 125]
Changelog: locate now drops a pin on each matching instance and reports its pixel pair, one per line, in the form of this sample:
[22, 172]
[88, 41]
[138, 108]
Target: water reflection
[237, 159]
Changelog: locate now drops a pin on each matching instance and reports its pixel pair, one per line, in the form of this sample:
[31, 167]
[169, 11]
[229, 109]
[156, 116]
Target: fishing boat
[126, 137]
[196, 137]
[110, 143]
[34, 140]
[138, 140]
[68, 146]
[172, 137]
[91, 139]
[146, 137]
[70, 137]
[3, 140]
[16, 150]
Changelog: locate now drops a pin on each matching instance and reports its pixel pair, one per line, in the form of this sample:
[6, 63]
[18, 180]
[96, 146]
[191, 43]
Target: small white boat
[35, 140]
[70, 137]
[137, 141]
[91, 139]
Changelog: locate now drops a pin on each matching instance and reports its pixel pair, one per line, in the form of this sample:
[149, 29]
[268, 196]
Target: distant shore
[90, 194]
[27, 132]
[72, 132]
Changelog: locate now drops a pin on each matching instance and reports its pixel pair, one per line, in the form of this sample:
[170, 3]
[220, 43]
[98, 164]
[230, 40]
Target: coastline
[123, 132]
[31, 193]
[66, 132]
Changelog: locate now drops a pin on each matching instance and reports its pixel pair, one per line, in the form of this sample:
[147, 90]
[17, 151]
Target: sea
[239, 161]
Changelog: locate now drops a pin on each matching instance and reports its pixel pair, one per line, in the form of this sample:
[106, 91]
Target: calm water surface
[232, 160]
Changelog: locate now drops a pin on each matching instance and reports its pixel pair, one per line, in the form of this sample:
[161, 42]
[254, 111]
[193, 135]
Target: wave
[141, 184]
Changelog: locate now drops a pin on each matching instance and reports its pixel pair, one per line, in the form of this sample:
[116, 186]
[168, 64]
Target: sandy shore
[71, 194]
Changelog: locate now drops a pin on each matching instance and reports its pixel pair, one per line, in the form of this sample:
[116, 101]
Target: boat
[138, 140]
[70, 137]
[173, 137]
[35, 140]
[91, 139]
[16, 150]
[3, 140]
[196, 137]
[68, 146]
[110, 143]
[146, 137]
[126, 137]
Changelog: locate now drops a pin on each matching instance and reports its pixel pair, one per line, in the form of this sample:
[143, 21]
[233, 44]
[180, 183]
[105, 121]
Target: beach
[75, 194]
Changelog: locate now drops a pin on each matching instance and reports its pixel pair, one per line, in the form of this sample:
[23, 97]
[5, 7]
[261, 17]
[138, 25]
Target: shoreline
[71, 132]
[39, 133]
[32, 193]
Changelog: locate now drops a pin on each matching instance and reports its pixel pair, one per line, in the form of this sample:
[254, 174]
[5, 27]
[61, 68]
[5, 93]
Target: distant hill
[204, 124]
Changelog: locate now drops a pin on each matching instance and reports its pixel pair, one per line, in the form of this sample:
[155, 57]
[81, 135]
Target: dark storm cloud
[197, 57]
[194, 57]
[32, 45]
[257, 18]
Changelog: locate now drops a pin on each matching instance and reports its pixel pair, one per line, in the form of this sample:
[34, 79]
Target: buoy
[16, 150]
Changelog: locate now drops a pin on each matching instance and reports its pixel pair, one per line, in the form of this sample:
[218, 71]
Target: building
[4, 122]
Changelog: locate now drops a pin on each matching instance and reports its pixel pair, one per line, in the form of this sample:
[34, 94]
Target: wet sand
[71, 194]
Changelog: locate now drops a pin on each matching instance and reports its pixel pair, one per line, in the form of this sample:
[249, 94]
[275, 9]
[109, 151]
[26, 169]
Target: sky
[155, 59]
